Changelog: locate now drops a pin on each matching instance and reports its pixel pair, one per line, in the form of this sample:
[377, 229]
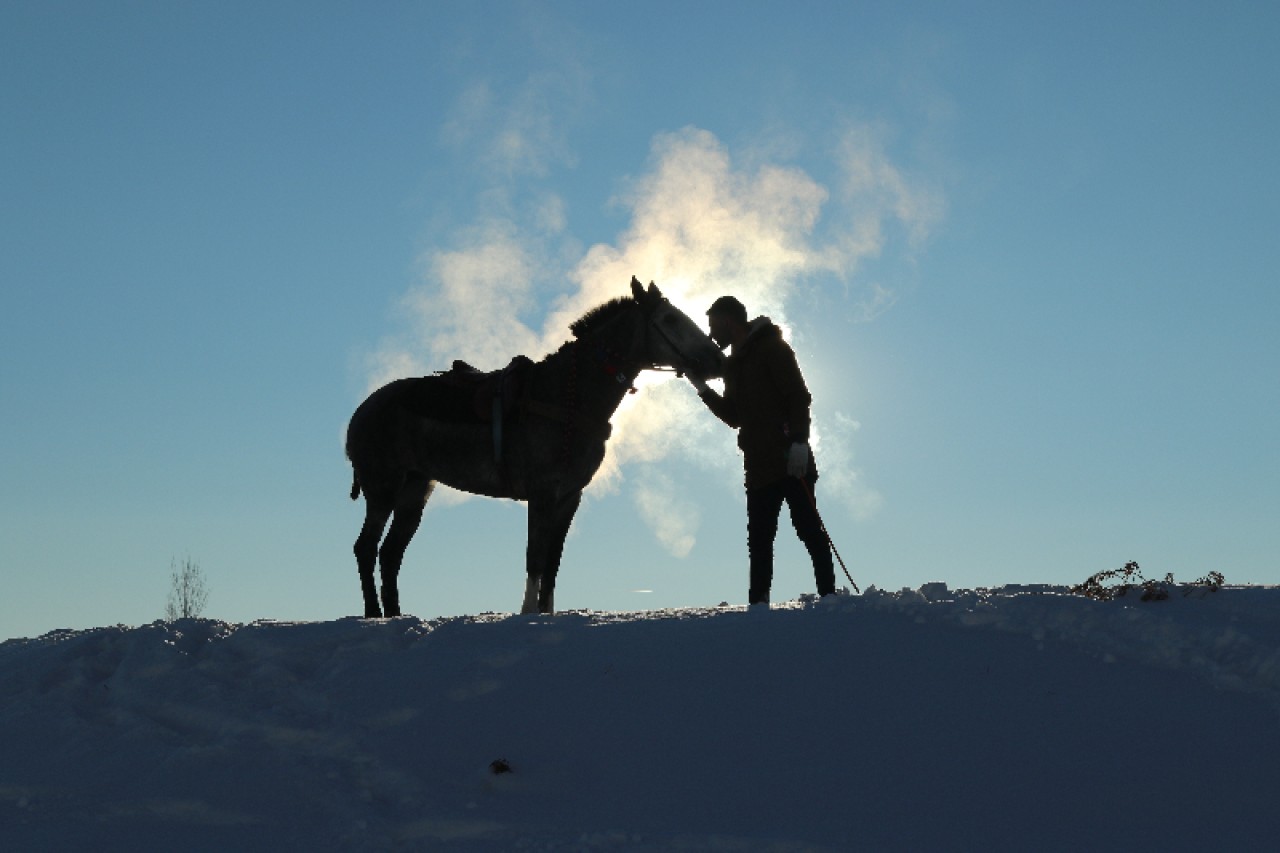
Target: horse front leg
[549, 522]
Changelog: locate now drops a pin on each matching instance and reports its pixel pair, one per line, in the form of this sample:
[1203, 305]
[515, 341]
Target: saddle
[464, 394]
[487, 397]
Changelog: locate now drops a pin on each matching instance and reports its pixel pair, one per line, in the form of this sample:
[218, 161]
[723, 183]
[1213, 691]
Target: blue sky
[1026, 254]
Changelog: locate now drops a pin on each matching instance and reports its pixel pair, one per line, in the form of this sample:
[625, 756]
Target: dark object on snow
[412, 433]
[499, 766]
[1130, 577]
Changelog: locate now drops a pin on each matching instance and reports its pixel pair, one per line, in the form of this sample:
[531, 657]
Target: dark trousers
[764, 504]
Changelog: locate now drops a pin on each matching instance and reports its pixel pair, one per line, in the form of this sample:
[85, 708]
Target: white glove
[798, 459]
[699, 383]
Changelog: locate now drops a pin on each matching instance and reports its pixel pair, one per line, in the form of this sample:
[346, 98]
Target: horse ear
[654, 293]
[636, 290]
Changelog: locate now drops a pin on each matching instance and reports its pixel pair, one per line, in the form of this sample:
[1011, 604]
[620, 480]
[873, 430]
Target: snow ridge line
[1231, 638]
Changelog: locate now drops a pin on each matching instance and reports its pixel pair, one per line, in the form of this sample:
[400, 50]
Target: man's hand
[798, 459]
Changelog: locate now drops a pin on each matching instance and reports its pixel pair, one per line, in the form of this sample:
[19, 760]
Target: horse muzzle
[708, 365]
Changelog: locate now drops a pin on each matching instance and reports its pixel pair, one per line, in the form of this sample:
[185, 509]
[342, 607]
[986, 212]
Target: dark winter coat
[766, 400]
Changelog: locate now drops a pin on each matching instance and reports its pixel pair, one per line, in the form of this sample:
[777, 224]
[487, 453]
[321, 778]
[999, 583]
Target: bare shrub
[188, 591]
[1115, 583]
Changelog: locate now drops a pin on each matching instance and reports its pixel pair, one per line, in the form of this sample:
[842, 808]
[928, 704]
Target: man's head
[728, 320]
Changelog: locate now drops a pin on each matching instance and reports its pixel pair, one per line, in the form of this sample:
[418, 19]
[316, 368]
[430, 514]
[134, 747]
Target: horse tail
[355, 486]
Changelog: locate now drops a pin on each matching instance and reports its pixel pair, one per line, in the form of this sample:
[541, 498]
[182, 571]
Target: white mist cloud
[469, 306]
[520, 133]
[700, 226]
[670, 514]
[839, 475]
[874, 192]
[483, 291]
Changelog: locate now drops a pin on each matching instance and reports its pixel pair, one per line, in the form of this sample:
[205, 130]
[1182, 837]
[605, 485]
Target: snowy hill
[1009, 719]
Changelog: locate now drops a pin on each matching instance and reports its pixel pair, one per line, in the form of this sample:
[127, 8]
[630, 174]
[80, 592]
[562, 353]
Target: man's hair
[728, 306]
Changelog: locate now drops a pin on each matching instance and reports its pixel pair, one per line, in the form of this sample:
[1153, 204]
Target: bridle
[625, 368]
[652, 323]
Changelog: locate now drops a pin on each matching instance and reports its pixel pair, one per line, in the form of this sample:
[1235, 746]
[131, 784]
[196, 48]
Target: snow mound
[1007, 719]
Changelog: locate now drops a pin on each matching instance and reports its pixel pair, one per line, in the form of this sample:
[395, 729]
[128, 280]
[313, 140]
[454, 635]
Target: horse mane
[594, 319]
[600, 315]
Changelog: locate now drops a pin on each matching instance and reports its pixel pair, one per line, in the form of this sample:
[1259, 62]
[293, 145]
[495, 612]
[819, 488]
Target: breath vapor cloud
[700, 226]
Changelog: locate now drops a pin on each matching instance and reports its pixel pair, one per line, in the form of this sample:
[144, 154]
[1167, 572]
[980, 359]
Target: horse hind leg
[404, 524]
[376, 513]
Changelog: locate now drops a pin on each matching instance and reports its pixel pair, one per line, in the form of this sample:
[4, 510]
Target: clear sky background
[1026, 252]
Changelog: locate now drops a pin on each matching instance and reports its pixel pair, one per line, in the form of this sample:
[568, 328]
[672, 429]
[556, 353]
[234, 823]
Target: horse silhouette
[533, 432]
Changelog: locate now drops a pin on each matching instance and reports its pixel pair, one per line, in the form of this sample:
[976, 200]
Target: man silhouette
[766, 400]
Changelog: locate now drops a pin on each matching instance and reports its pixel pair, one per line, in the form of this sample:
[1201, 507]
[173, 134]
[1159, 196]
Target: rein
[616, 366]
[813, 502]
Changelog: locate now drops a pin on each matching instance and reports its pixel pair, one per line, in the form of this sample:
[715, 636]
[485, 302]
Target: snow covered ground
[1007, 719]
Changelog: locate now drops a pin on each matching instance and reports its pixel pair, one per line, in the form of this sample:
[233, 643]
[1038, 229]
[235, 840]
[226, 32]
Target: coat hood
[759, 329]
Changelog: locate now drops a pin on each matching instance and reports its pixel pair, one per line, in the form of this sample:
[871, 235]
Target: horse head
[672, 339]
